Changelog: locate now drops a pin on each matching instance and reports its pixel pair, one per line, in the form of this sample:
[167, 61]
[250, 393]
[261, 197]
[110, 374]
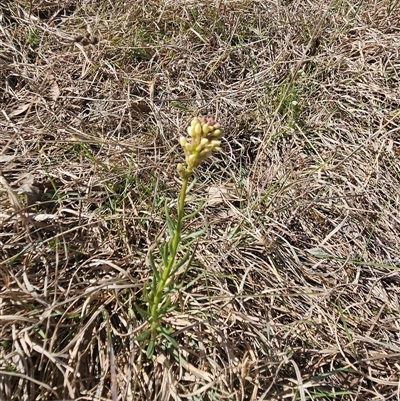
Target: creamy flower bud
[206, 128]
[194, 122]
[190, 131]
[181, 169]
[216, 134]
[183, 141]
[197, 129]
[205, 153]
[215, 143]
[202, 144]
[191, 159]
[204, 141]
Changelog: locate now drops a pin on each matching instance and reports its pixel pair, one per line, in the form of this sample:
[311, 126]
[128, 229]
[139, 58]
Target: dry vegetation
[294, 293]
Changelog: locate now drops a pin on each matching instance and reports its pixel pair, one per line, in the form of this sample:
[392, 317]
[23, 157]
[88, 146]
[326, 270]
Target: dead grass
[295, 289]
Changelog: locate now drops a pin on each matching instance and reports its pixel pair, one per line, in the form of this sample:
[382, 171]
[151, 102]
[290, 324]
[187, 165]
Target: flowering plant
[205, 137]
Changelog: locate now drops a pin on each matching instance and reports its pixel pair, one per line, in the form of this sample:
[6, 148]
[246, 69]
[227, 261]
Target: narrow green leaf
[179, 286]
[170, 339]
[193, 214]
[195, 234]
[166, 330]
[165, 253]
[172, 308]
[150, 349]
[170, 223]
[141, 312]
[180, 263]
[162, 308]
[193, 254]
[143, 336]
[145, 291]
[154, 267]
[191, 185]
[152, 292]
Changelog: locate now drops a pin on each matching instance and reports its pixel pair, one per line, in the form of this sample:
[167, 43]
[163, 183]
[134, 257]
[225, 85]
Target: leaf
[191, 185]
[193, 214]
[166, 330]
[6, 158]
[54, 92]
[219, 194]
[42, 216]
[179, 264]
[171, 340]
[163, 310]
[12, 196]
[152, 293]
[150, 349]
[318, 252]
[153, 266]
[146, 296]
[170, 223]
[191, 259]
[165, 253]
[195, 234]
[141, 312]
[141, 107]
[22, 108]
[28, 189]
[32, 193]
[171, 309]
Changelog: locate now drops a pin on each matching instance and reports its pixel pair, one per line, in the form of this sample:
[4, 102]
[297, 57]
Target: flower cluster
[206, 137]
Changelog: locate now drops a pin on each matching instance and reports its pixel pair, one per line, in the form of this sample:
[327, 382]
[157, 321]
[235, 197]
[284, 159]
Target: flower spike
[206, 137]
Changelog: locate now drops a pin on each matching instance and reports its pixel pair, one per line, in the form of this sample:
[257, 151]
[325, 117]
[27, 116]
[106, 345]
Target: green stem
[155, 317]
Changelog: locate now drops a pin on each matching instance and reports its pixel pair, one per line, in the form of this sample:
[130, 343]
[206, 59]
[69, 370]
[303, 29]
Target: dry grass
[295, 290]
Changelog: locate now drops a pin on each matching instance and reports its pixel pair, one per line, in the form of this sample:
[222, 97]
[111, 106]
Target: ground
[293, 290]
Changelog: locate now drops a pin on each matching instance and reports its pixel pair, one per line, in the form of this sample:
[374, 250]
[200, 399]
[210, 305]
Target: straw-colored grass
[294, 289]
